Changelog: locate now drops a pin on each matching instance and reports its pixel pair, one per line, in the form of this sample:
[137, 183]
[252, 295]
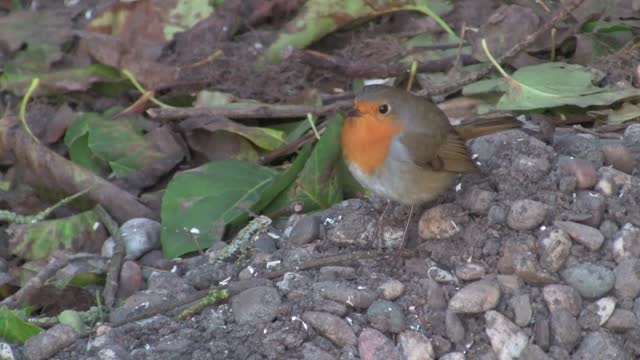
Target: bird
[403, 148]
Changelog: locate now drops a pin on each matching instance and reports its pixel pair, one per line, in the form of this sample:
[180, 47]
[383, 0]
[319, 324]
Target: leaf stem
[493, 60]
[313, 125]
[23, 107]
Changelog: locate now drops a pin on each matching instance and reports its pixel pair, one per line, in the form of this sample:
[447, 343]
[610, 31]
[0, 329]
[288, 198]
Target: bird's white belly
[404, 182]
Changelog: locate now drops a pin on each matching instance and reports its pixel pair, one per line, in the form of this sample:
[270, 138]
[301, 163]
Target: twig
[329, 260]
[6, 215]
[559, 15]
[251, 111]
[368, 69]
[212, 297]
[113, 275]
[581, 129]
[36, 282]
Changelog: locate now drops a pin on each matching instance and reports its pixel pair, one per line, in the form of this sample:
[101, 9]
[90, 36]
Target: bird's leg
[406, 228]
[378, 235]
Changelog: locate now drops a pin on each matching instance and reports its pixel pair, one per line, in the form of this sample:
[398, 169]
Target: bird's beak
[353, 112]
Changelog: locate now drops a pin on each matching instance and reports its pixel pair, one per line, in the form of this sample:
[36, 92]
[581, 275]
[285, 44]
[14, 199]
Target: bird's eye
[384, 108]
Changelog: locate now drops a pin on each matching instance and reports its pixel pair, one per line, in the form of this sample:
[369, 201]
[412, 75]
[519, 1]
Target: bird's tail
[485, 126]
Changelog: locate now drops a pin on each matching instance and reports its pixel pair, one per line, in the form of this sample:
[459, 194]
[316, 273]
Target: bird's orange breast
[365, 140]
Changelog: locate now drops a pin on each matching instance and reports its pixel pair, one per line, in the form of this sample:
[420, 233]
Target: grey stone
[386, 316]
[259, 304]
[600, 345]
[332, 327]
[589, 279]
[565, 330]
[526, 214]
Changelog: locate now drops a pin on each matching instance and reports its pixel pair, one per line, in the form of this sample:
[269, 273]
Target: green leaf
[626, 112]
[17, 80]
[14, 329]
[94, 141]
[321, 17]
[198, 203]
[319, 184]
[551, 85]
[37, 241]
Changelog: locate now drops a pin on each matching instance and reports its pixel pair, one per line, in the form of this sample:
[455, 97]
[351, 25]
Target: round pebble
[597, 313]
[589, 279]
[522, 309]
[588, 236]
[621, 320]
[391, 289]
[340, 292]
[372, 344]
[558, 296]
[555, 248]
[526, 214]
[306, 230]
[470, 272]
[441, 222]
[507, 339]
[140, 236]
[259, 304]
[565, 330]
[386, 316]
[583, 171]
[415, 346]
[475, 298]
[627, 279]
[331, 326]
[601, 345]
[626, 243]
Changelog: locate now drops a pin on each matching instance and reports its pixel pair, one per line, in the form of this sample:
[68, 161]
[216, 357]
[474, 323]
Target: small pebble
[497, 215]
[337, 273]
[597, 313]
[618, 156]
[526, 214]
[477, 200]
[258, 304]
[332, 327]
[440, 345]
[527, 267]
[591, 204]
[534, 352]
[386, 316]
[584, 171]
[600, 345]
[507, 339]
[441, 222]
[391, 289]
[373, 345]
[310, 351]
[626, 243]
[340, 292]
[130, 279]
[555, 248]
[558, 296]
[509, 282]
[140, 236]
[306, 230]
[588, 236]
[453, 356]
[565, 330]
[46, 343]
[627, 279]
[581, 147]
[521, 306]
[475, 298]
[542, 333]
[621, 320]
[442, 276]
[455, 328]
[591, 280]
[470, 272]
[415, 346]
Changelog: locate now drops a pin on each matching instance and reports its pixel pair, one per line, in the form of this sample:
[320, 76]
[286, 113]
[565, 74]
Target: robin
[403, 148]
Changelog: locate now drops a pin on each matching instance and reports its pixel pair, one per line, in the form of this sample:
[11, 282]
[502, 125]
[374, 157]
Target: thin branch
[368, 69]
[113, 274]
[36, 283]
[251, 111]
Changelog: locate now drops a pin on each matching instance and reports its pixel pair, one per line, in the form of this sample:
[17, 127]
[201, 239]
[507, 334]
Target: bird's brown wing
[448, 154]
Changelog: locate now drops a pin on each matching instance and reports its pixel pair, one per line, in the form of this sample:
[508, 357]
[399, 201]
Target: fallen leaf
[197, 203]
[77, 233]
[318, 18]
[15, 329]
